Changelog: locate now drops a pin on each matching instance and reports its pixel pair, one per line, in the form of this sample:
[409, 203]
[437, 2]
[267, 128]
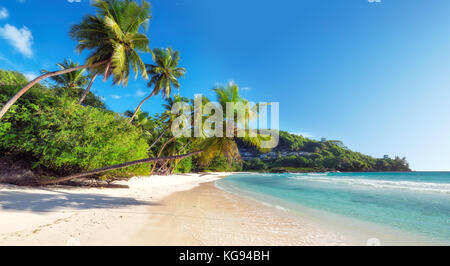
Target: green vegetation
[114, 36]
[60, 137]
[12, 78]
[64, 131]
[318, 156]
[164, 74]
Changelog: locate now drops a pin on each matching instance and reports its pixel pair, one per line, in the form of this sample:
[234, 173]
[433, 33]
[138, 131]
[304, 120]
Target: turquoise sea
[415, 202]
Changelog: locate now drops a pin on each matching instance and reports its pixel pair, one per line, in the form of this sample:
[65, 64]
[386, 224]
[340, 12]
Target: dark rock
[16, 174]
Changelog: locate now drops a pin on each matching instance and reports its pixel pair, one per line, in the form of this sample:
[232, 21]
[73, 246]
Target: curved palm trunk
[160, 136]
[139, 107]
[177, 161]
[107, 72]
[160, 152]
[115, 167]
[86, 92]
[38, 79]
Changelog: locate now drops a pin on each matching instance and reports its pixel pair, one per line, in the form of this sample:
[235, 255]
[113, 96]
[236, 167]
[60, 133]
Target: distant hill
[297, 153]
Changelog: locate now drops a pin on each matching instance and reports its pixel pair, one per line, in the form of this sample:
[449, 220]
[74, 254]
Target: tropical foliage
[164, 74]
[72, 80]
[114, 35]
[318, 156]
[61, 137]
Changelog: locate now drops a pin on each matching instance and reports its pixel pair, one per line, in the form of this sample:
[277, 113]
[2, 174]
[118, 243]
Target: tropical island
[72, 169]
[48, 133]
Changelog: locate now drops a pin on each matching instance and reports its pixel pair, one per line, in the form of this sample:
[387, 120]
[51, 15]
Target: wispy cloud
[30, 75]
[4, 14]
[116, 97]
[74, 1]
[140, 93]
[20, 39]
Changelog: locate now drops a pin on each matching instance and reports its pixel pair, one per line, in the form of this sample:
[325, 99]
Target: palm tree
[168, 118]
[92, 77]
[227, 146]
[72, 80]
[165, 74]
[205, 148]
[113, 36]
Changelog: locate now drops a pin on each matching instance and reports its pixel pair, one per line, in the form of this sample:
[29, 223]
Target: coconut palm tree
[92, 77]
[205, 148]
[113, 35]
[168, 118]
[164, 74]
[72, 80]
[227, 146]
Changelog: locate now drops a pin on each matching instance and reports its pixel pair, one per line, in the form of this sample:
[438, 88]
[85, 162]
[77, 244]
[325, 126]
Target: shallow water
[416, 202]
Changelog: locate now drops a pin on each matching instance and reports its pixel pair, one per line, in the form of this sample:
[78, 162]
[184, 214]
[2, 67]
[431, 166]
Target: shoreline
[176, 210]
[207, 215]
[353, 231]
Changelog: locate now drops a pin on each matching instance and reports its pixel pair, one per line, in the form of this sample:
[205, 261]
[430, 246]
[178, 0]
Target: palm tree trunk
[86, 92]
[115, 167]
[160, 136]
[38, 79]
[177, 161]
[139, 107]
[161, 150]
[108, 66]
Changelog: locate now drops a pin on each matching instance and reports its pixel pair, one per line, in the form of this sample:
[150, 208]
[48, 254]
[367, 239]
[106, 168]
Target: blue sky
[374, 75]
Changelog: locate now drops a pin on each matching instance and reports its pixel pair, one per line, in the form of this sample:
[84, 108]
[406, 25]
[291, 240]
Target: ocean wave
[382, 184]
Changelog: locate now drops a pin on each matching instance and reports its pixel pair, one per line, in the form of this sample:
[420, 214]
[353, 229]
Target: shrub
[64, 138]
[221, 164]
[12, 78]
[185, 166]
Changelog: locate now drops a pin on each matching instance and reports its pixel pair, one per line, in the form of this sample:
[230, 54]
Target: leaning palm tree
[205, 148]
[165, 74]
[92, 77]
[113, 35]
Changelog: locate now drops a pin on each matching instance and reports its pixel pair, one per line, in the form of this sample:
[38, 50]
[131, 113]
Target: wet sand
[207, 215]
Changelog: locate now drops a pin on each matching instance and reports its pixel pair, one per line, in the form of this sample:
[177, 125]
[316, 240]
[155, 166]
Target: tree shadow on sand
[40, 202]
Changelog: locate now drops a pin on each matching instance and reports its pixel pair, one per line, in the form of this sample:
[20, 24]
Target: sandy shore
[210, 216]
[86, 216]
[153, 211]
[186, 210]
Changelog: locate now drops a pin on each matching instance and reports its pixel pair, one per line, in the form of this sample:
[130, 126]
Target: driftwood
[115, 167]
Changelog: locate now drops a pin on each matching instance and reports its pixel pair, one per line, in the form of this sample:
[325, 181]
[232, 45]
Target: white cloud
[4, 14]
[73, 1]
[246, 89]
[20, 39]
[140, 93]
[30, 75]
[116, 97]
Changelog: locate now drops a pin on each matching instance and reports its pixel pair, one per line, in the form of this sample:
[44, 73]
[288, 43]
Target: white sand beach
[181, 210]
[86, 216]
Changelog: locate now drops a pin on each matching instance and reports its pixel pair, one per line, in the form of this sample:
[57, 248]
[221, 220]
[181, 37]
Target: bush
[255, 164]
[185, 166]
[221, 164]
[12, 78]
[63, 137]
[75, 94]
